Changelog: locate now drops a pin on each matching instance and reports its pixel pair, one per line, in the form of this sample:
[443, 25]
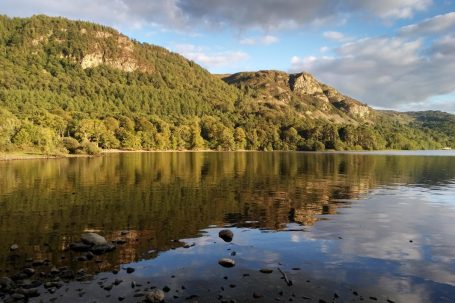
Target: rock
[18, 297]
[130, 270]
[93, 239]
[78, 246]
[14, 247]
[226, 235]
[82, 258]
[55, 270]
[101, 249]
[257, 295]
[6, 283]
[225, 262]
[89, 255]
[119, 241]
[37, 262]
[266, 270]
[166, 289]
[155, 295]
[29, 271]
[31, 293]
[124, 232]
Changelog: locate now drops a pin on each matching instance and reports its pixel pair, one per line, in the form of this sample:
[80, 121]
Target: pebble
[225, 262]
[14, 247]
[257, 295]
[266, 270]
[29, 271]
[226, 235]
[130, 270]
[155, 295]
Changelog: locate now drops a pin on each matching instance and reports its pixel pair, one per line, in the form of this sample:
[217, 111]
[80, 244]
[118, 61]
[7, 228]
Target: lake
[323, 227]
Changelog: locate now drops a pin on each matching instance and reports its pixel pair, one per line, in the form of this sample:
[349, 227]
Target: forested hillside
[75, 87]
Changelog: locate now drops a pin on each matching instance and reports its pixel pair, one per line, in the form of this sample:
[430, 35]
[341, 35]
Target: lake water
[346, 227]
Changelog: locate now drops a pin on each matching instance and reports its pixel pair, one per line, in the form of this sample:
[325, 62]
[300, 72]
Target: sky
[391, 54]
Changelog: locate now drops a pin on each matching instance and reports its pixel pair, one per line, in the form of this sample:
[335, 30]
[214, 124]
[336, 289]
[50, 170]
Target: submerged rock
[225, 262]
[155, 295]
[93, 239]
[78, 246]
[101, 249]
[226, 235]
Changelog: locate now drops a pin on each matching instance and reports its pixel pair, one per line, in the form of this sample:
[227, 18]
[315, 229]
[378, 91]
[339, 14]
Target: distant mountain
[73, 86]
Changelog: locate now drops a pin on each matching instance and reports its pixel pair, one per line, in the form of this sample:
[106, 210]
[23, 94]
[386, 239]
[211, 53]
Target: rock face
[305, 83]
[279, 88]
[155, 295]
[124, 61]
[93, 239]
[226, 235]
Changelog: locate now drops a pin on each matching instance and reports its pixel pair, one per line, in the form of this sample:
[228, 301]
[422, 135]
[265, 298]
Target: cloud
[387, 71]
[437, 24]
[208, 58]
[178, 14]
[336, 36]
[265, 40]
[401, 9]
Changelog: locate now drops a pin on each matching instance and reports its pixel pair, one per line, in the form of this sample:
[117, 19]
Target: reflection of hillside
[166, 196]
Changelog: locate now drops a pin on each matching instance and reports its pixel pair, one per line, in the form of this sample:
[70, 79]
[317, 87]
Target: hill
[73, 86]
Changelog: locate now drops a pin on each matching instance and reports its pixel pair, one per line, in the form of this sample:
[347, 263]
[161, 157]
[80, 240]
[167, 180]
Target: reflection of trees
[165, 196]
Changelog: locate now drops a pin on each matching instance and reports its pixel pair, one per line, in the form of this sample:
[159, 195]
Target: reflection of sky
[368, 245]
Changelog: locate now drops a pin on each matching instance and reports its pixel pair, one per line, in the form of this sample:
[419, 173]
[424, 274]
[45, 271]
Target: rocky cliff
[302, 90]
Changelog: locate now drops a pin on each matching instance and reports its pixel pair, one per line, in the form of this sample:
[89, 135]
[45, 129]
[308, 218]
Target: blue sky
[394, 54]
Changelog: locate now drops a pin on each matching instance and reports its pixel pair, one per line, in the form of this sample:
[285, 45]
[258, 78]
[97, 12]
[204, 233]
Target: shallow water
[357, 225]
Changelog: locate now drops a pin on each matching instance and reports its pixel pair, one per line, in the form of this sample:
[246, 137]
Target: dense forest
[78, 87]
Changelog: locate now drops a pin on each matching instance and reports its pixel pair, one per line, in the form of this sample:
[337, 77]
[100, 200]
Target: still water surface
[361, 226]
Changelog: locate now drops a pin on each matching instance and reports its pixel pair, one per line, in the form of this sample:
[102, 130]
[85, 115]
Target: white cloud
[336, 36]
[387, 72]
[324, 49]
[437, 24]
[208, 58]
[265, 40]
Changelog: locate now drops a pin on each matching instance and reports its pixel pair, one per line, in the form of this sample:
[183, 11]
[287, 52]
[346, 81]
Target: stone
[101, 249]
[226, 235]
[37, 262]
[55, 270]
[29, 271]
[14, 247]
[266, 270]
[130, 270]
[6, 283]
[155, 295]
[225, 262]
[78, 246]
[93, 239]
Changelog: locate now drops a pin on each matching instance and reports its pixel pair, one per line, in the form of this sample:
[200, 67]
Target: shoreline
[36, 156]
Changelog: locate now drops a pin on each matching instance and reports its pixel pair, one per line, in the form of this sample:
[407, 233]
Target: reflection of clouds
[381, 229]
[404, 289]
